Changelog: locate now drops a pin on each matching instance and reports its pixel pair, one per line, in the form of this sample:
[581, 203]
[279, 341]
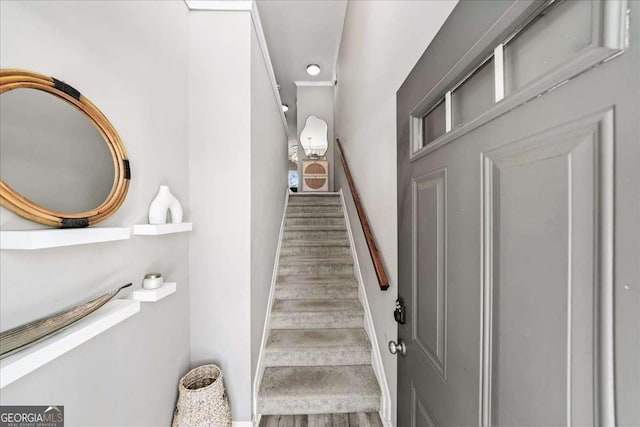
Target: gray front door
[519, 218]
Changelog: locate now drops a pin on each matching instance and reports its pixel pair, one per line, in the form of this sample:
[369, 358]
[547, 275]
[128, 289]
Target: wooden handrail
[383, 280]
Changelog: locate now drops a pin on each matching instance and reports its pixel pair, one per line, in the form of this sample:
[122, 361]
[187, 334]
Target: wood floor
[360, 419]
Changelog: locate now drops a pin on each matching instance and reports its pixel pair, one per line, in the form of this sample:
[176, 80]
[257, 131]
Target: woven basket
[202, 401]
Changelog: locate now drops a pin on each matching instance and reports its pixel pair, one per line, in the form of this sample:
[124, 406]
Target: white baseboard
[241, 424]
[376, 357]
[385, 422]
[265, 331]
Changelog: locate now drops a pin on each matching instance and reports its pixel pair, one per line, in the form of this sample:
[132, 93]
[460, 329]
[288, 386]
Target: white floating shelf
[28, 360]
[53, 238]
[158, 229]
[153, 295]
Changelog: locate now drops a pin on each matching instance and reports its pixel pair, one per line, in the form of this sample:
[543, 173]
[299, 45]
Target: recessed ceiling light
[285, 108]
[313, 69]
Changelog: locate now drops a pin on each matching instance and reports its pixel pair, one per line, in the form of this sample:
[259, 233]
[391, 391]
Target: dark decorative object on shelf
[21, 337]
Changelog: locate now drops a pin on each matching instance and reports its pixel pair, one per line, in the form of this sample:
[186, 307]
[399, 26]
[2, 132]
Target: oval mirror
[314, 137]
[61, 161]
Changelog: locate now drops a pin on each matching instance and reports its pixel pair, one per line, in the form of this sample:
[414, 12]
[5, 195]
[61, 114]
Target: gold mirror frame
[13, 79]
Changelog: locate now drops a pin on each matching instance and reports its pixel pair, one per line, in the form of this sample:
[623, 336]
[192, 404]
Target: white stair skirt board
[28, 360]
[241, 424]
[153, 295]
[159, 229]
[267, 324]
[376, 356]
[53, 238]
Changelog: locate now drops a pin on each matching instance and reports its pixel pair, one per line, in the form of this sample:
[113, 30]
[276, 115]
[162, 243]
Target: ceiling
[299, 33]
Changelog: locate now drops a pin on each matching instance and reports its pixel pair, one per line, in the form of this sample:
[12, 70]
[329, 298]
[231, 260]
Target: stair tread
[317, 306]
[315, 242]
[315, 204]
[318, 234]
[321, 291]
[323, 259]
[315, 208]
[317, 382]
[315, 200]
[315, 227]
[317, 339]
[315, 194]
[315, 251]
[332, 220]
[302, 199]
[315, 215]
[317, 280]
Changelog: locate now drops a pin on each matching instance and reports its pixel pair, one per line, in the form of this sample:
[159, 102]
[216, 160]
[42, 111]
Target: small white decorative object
[152, 281]
[164, 201]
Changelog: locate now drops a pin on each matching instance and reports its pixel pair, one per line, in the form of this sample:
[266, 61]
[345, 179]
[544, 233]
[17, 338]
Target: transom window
[559, 40]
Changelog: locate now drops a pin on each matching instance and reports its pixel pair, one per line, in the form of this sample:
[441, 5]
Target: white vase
[164, 201]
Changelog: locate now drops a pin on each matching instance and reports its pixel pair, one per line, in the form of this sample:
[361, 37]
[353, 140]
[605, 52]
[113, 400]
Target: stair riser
[314, 200]
[316, 269]
[318, 198]
[315, 204]
[315, 292]
[307, 196]
[314, 209]
[318, 228]
[332, 320]
[315, 221]
[315, 251]
[328, 405]
[314, 235]
[318, 357]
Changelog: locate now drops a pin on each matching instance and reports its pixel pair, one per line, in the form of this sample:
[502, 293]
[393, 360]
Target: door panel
[429, 283]
[420, 415]
[543, 232]
[519, 241]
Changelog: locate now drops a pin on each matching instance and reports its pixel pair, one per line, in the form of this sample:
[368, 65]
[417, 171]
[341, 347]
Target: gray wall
[381, 43]
[135, 71]
[316, 100]
[220, 187]
[269, 166]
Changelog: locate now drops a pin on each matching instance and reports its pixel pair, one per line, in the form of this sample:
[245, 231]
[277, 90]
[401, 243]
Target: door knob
[398, 347]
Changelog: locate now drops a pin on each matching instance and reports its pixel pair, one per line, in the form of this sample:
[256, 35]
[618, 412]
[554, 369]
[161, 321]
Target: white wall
[129, 59]
[269, 165]
[238, 178]
[316, 100]
[220, 185]
[381, 42]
